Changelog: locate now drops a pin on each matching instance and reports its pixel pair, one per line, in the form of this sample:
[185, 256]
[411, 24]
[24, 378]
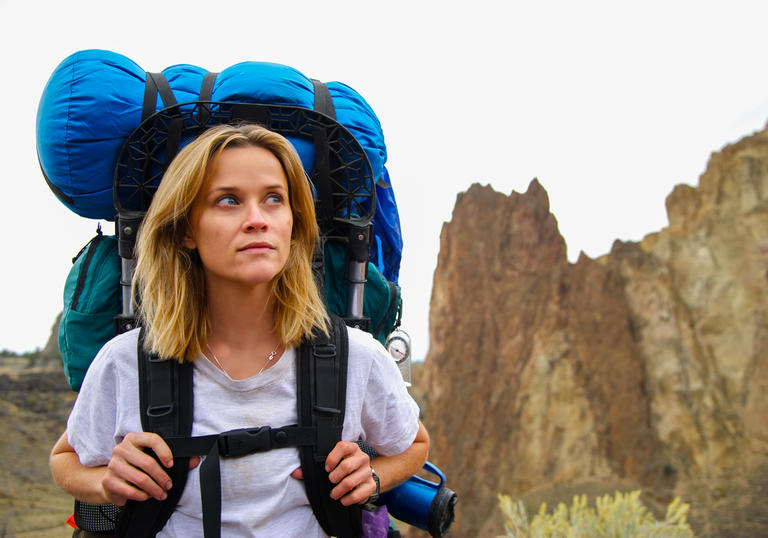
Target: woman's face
[241, 220]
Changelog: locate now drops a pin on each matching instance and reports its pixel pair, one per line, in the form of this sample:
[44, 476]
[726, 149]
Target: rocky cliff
[647, 367]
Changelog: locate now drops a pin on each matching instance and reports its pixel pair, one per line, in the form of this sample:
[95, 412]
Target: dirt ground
[34, 404]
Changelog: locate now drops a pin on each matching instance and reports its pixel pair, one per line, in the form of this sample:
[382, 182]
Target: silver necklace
[269, 358]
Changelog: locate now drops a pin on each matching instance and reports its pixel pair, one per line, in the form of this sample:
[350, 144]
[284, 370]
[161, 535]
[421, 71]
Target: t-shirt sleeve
[92, 422]
[389, 414]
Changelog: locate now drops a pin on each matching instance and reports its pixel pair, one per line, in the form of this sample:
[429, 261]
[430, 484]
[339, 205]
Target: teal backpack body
[382, 303]
[92, 299]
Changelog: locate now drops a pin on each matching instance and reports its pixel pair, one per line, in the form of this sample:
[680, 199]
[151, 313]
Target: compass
[399, 346]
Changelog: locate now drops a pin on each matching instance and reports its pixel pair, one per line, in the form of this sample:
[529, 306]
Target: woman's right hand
[132, 474]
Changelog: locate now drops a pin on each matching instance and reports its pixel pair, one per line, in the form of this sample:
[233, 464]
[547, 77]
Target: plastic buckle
[244, 441]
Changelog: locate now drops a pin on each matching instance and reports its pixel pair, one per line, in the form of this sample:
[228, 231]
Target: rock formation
[645, 368]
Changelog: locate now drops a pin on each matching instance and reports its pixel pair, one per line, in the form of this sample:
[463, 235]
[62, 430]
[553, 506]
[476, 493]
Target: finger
[194, 461]
[349, 465]
[143, 440]
[120, 472]
[119, 492]
[341, 450]
[132, 464]
[298, 474]
[355, 488]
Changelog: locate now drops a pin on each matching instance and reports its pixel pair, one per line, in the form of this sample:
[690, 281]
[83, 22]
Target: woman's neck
[241, 329]
[240, 311]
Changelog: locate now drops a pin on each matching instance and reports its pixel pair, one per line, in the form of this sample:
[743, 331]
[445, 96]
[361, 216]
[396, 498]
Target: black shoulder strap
[166, 405]
[322, 395]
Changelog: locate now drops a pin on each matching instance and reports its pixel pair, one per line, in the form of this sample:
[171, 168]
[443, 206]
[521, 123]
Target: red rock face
[645, 368]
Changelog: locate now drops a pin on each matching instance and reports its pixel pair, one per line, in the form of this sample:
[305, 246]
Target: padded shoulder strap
[165, 401]
[322, 394]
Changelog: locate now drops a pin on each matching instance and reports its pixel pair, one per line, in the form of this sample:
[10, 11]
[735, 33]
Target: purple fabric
[376, 522]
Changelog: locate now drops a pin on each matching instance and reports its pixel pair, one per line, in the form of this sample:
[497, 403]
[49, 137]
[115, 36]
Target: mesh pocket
[98, 518]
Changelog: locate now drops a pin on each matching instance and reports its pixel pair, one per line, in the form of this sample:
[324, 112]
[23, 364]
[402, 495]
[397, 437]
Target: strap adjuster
[324, 350]
[244, 441]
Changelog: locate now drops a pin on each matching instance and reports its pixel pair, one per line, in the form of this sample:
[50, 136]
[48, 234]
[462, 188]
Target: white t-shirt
[259, 497]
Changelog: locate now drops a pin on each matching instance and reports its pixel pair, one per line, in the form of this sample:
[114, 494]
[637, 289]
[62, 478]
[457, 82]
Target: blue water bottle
[421, 503]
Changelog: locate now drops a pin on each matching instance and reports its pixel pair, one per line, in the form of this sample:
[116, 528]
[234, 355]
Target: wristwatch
[375, 496]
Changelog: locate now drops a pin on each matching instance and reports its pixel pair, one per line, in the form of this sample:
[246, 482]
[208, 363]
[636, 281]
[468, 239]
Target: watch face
[398, 348]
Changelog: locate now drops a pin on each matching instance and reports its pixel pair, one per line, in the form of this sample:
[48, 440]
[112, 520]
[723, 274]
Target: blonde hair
[169, 278]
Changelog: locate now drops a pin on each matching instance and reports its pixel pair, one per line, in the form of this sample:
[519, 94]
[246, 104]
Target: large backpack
[356, 261]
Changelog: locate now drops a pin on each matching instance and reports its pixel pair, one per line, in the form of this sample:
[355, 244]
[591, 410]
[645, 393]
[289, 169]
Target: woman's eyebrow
[276, 186]
[223, 188]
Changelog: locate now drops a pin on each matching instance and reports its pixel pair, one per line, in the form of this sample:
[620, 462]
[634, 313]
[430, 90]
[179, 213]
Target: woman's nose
[254, 217]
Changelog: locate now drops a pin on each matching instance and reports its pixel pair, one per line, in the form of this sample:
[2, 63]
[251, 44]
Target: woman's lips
[256, 247]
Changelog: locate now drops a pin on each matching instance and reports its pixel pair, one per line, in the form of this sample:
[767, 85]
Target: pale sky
[610, 104]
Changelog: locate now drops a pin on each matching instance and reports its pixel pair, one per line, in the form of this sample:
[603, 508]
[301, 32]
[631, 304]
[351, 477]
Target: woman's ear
[188, 242]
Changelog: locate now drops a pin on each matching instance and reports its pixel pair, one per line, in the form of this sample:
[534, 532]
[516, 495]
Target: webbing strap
[155, 84]
[323, 176]
[243, 441]
[323, 101]
[206, 94]
[234, 443]
[323, 104]
[206, 89]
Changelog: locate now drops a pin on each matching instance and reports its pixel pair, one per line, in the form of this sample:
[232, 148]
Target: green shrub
[621, 516]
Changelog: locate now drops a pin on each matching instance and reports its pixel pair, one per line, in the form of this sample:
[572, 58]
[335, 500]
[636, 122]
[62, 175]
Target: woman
[224, 277]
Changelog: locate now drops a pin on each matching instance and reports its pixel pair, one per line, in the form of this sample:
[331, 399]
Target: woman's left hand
[350, 469]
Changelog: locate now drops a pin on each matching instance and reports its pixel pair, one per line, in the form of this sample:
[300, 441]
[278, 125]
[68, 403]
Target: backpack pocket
[92, 299]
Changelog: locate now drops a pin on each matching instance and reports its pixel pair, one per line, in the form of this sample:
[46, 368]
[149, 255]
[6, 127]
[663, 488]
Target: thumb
[298, 474]
[194, 461]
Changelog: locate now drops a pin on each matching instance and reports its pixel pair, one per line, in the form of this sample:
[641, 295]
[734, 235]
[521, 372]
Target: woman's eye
[227, 200]
[274, 199]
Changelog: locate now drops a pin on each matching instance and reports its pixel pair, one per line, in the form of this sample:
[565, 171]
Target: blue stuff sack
[94, 100]
[92, 299]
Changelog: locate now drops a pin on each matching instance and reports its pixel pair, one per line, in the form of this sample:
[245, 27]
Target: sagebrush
[620, 516]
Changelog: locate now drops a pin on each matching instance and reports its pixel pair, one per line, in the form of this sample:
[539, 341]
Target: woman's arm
[130, 474]
[350, 468]
[394, 470]
[81, 482]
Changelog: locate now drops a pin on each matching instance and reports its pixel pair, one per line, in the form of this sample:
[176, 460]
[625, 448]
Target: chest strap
[232, 444]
